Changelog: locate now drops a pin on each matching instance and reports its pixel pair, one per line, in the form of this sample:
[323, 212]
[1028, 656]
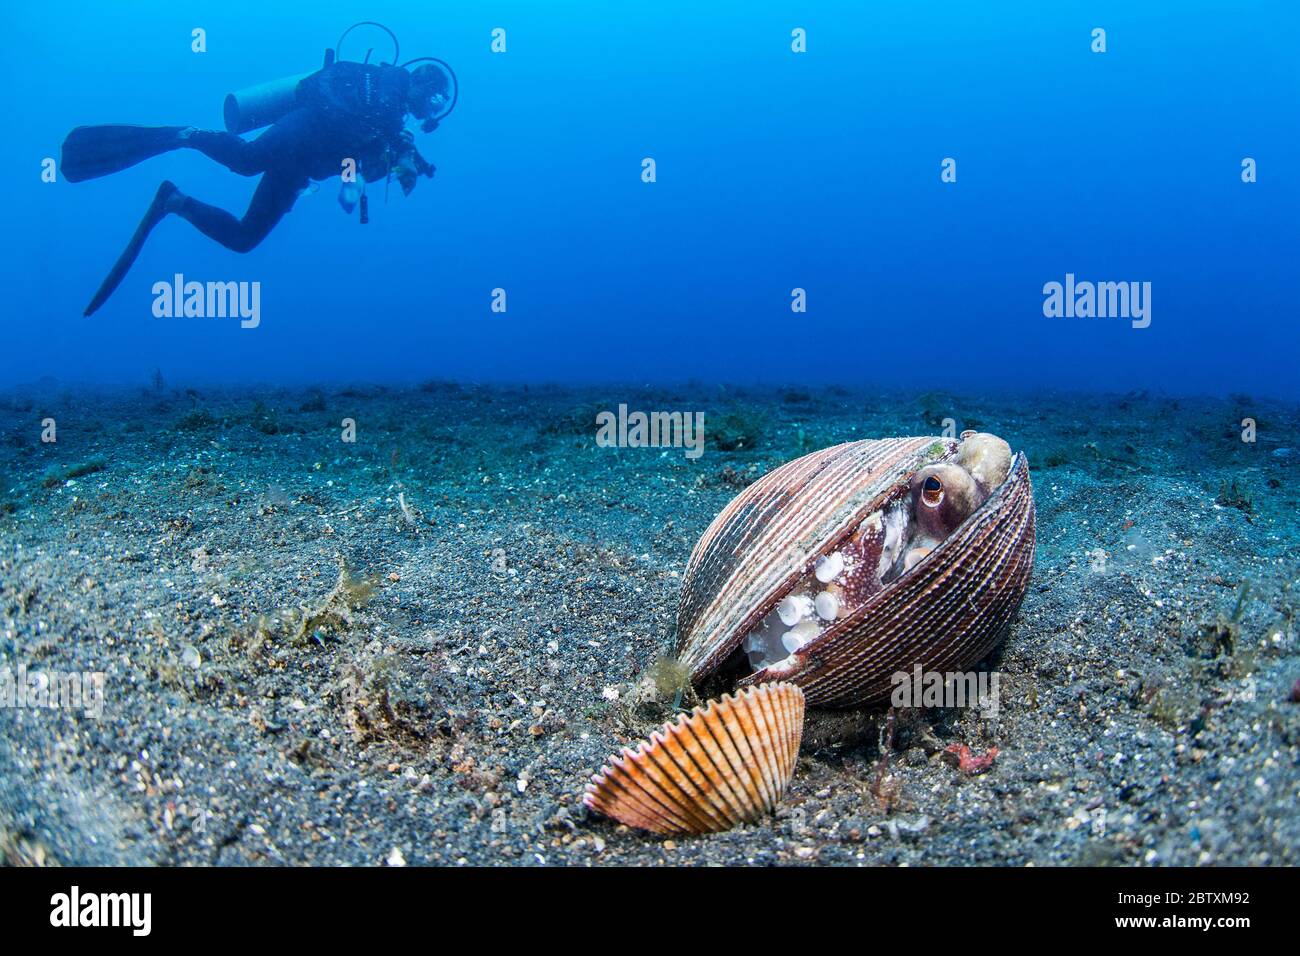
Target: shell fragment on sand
[724, 763]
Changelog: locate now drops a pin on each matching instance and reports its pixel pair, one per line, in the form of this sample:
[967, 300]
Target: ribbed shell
[726, 762]
[945, 614]
[771, 534]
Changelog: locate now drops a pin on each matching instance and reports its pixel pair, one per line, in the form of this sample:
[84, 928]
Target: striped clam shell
[726, 762]
[946, 613]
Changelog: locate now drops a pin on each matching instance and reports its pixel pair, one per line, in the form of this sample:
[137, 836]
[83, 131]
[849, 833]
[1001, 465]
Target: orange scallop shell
[726, 762]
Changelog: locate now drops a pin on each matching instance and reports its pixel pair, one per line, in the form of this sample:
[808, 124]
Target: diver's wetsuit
[349, 110]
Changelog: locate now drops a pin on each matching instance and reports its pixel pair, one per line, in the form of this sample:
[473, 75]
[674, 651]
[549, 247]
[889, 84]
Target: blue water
[775, 171]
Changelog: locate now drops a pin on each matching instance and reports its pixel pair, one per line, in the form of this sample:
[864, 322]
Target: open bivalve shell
[724, 763]
[844, 568]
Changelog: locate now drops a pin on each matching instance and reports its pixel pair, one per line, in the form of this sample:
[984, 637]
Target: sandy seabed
[416, 647]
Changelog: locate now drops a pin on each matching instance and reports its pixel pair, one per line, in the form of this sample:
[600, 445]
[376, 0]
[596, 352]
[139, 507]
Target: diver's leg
[275, 196]
[236, 154]
[279, 146]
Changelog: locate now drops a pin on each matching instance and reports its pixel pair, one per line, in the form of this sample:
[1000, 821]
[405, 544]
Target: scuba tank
[261, 105]
[258, 106]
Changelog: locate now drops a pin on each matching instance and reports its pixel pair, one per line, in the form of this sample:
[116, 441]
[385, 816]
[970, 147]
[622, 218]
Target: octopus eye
[932, 491]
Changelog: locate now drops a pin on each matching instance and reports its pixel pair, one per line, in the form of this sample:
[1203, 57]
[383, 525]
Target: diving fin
[93, 151]
[156, 213]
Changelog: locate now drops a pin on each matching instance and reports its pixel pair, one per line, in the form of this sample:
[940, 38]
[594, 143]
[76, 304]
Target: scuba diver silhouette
[346, 111]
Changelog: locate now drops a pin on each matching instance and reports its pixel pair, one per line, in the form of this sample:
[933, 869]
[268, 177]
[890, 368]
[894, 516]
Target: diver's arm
[407, 163]
[410, 168]
[422, 166]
